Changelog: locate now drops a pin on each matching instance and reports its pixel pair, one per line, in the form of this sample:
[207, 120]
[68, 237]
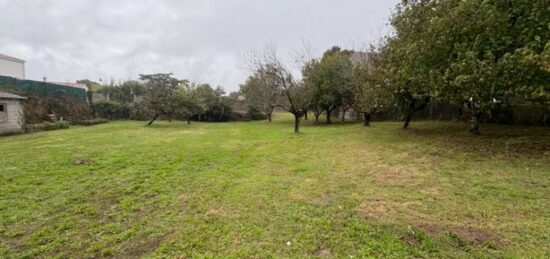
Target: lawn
[255, 189]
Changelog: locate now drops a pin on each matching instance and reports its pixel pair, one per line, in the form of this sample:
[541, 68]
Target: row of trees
[173, 98]
[162, 95]
[477, 55]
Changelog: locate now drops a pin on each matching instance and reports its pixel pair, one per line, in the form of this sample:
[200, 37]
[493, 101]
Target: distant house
[12, 118]
[12, 67]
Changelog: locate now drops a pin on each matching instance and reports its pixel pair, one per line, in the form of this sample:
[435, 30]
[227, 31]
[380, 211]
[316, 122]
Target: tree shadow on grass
[495, 140]
[168, 125]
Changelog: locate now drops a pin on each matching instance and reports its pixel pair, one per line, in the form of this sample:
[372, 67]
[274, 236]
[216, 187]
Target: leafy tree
[311, 80]
[479, 53]
[187, 101]
[370, 91]
[159, 91]
[217, 106]
[497, 53]
[128, 90]
[411, 65]
[262, 91]
[334, 75]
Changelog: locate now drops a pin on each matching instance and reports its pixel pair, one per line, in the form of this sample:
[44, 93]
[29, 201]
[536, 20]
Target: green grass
[248, 189]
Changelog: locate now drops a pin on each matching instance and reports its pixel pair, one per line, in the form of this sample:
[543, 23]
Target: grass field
[257, 190]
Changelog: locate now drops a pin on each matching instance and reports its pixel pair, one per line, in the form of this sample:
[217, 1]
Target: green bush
[112, 110]
[255, 114]
[239, 116]
[37, 109]
[46, 126]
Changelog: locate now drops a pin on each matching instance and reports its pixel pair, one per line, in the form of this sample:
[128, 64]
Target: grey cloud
[67, 40]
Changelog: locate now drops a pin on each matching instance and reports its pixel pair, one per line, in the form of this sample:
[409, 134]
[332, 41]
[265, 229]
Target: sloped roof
[4, 95]
[2, 56]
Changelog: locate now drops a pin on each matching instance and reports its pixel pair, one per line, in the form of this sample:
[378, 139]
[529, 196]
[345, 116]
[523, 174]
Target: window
[3, 112]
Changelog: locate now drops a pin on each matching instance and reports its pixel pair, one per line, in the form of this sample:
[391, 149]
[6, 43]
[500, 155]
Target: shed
[12, 118]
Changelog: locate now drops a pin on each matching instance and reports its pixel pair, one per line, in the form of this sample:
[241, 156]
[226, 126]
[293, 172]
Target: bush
[37, 109]
[255, 114]
[239, 116]
[90, 122]
[46, 126]
[218, 110]
[112, 110]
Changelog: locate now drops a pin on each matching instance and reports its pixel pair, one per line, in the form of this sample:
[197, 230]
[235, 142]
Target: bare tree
[296, 95]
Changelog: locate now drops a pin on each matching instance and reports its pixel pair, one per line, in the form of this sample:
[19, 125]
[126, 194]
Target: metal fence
[41, 89]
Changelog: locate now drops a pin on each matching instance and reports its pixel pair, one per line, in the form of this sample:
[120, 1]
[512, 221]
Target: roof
[2, 56]
[4, 95]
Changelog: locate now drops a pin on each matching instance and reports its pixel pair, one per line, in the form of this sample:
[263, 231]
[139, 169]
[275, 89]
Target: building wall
[12, 68]
[12, 118]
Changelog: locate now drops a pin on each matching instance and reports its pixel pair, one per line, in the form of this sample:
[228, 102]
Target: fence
[41, 89]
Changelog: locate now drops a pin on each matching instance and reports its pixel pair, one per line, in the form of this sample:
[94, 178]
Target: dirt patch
[397, 175]
[409, 212]
[325, 252]
[145, 247]
[82, 161]
[478, 236]
[214, 213]
[465, 233]
[410, 239]
[391, 210]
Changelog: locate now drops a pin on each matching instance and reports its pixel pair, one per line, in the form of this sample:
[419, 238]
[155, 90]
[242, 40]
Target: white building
[11, 113]
[13, 67]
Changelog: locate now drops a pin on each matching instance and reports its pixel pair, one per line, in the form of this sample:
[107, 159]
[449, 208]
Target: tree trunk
[305, 115]
[412, 108]
[366, 119]
[296, 123]
[188, 120]
[153, 120]
[328, 116]
[407, 119]
[474, 123]
[344, 115]
[317, 117]
[269, 114]
[170, 117]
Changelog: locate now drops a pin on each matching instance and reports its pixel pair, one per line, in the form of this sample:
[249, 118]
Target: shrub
[255, 114]
[37, 109]
[46, 126]
[112, 110]
[239, 116]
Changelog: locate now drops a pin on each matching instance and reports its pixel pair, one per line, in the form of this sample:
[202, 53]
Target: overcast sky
[200, 40]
